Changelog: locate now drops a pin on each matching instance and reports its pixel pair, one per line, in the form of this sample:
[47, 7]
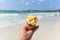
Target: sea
[9, 19]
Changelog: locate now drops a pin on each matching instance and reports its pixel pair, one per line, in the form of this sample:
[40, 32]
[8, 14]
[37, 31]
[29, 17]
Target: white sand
[49, 30]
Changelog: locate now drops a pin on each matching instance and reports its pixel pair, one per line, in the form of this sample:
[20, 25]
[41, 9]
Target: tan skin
[25, 33]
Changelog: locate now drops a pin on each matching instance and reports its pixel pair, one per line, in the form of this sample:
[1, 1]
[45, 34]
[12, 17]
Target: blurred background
[13, 15]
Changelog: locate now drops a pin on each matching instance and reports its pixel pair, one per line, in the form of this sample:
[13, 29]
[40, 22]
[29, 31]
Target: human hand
[25, 33]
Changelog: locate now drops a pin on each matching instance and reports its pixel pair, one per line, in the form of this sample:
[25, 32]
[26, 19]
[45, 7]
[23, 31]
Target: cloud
[2, 0]
[27, 3]
[33, 1]
[41, 0]
[24, 2]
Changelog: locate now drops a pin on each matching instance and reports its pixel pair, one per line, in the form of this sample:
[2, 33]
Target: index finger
[24, 26]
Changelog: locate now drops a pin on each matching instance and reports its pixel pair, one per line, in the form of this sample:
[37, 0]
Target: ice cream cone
[31, 21]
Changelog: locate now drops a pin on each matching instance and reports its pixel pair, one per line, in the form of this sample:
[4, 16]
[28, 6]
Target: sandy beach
[49, 30]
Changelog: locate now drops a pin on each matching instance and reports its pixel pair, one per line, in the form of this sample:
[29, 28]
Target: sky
[29, 4]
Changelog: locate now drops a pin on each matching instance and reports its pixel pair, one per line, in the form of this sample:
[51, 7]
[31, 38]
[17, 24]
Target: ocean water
[9, 19]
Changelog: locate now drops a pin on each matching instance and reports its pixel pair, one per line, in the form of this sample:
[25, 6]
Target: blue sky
[29, 4]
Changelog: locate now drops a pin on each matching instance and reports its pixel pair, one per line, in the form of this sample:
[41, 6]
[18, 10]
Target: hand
[25, 33]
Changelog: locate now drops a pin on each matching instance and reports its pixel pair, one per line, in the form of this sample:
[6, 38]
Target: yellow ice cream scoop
[31, 20]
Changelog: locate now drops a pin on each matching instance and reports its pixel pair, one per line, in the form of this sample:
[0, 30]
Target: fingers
[24, 26]
[35, 28]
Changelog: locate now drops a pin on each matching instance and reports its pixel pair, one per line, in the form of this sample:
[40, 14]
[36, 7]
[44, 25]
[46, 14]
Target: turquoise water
[8, 19]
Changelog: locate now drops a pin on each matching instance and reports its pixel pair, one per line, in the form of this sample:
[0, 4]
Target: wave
[13, 19]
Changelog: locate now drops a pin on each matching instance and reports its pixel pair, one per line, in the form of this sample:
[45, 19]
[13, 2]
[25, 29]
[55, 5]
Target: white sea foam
[8, 19]
[12, 19]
